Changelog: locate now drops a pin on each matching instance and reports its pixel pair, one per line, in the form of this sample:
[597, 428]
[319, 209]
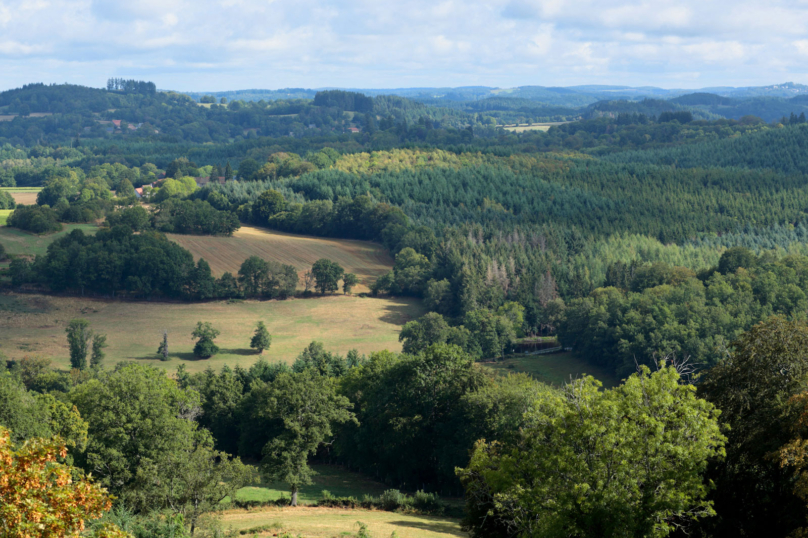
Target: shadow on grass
[399, 311]
[441, 527]
[239, 351]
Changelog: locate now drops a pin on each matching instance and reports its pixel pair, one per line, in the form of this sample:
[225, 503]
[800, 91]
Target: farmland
[35, 324]
[23, 195]
[367, 260]
[314, 522]
[522, 127]
[18, 242]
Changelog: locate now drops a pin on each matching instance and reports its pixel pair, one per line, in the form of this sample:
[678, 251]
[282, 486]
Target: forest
[651, 239]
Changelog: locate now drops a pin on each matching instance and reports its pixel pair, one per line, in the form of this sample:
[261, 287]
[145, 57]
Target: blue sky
[237, 44]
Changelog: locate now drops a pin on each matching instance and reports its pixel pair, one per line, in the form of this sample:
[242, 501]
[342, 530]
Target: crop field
[554, 369]
[35, 324]
[522, 127]
[21, 243]
[23, 195]
[314, 522]
[367, 260]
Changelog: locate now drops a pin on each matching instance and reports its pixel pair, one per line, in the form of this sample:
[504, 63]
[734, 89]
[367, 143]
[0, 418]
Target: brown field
[35, 324]
[522, 127]
[367, 260]
[314, 522]
[24, 197]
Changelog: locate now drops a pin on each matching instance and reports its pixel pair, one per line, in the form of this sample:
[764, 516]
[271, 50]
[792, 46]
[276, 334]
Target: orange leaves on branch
[38, 495]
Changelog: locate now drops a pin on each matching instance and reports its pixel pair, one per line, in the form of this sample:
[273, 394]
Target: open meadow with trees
[394, 316]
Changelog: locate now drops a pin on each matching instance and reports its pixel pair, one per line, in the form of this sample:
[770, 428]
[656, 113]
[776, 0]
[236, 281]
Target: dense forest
[657, 239]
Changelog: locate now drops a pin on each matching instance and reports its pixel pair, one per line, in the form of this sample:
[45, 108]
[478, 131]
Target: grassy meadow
[337, 480]
[554, 368]
[22, 243]
[23, 195]
[314, 522]
[367, 260]
[35, 324]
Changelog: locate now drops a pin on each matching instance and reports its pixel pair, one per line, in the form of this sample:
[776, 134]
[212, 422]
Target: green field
[18, 242]
[314, 522]
[4, 213]
[554, 369]
[35, 324]
[338, 481]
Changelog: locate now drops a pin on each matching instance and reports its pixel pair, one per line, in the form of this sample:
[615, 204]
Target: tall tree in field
[228, 172]
[327, 275]
[99, 344]
[261, 340]
[348, 282]
[599, 464]
[42, 497]
[78, 339]
[303, 408]
[162, 349]
[204, 347]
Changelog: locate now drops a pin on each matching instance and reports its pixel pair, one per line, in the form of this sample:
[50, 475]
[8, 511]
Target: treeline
[131, 86]
[657, 451]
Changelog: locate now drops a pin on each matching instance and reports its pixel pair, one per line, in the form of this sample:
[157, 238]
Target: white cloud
[367, 43]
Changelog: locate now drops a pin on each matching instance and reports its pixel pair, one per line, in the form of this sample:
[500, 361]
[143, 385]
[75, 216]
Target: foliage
[261, 340]
[35, 219]
[43, 497]
[79, 336]
[196, 217]
[303, 408]
[626, 461]
[204, 347]
[327, 275]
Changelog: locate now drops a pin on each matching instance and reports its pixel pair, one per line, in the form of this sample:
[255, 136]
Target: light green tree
[599, 464]
[305, 406]
[261, 340]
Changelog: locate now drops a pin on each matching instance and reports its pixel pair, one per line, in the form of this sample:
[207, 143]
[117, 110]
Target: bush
[273, 526]
[391, 500]
[35, 219]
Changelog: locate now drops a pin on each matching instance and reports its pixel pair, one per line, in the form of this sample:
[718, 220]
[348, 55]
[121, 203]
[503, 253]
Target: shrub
[392, 500]
[35, 219]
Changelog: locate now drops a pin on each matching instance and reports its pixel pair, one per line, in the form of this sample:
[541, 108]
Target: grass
[367, 260]
[35, 324]
[313, 522]
[340, 482]
[555, 368]
[18, 242]
[4, 213]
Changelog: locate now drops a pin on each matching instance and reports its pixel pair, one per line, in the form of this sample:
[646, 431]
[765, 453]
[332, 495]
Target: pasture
[314, 522]
[554, 369]
[340, 482]
[35, 324]
[367, 260]
[21, 243]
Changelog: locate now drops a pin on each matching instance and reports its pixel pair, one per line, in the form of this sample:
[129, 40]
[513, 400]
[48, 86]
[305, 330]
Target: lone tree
[327, 274]
[304, 405]
[205, 348]
[162, 350]
[78, 338]
[261, 340]
[99, 343]
[348, 282]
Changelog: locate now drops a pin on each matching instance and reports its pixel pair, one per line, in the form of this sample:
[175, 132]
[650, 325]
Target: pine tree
[162, 350]
[228, 172]
[261, 340]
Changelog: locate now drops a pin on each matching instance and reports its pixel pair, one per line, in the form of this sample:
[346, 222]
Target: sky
[217, 45]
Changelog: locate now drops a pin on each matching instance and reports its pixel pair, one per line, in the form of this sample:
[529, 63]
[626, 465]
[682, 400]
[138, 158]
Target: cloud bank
[235, 44]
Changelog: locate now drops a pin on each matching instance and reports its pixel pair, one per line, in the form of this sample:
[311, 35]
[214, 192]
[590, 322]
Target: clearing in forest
[367, 260]
[555, 368]
[35, 325]
[314, 522]
[22, 243]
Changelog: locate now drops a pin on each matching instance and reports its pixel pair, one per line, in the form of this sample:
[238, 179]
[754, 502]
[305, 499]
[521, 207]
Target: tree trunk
[294, 497]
